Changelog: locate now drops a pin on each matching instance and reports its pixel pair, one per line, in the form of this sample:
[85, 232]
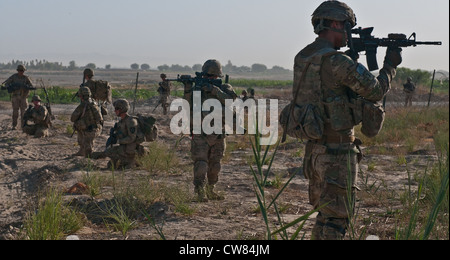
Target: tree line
[228, 68]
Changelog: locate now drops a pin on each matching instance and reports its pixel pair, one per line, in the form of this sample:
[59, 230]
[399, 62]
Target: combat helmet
[334, 11]
[212, 67]
[88, 72]
[122, 105]
[21, 68]
[36, 98]
[84, 92]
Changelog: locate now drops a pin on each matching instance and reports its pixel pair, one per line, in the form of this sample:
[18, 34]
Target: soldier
[94, 86]
[244, 95]
[409, 88]
[19, 85]
[331, 162]
[88, 122]
[40, 117]
[164, 92]
[207, 151]
[129, 137]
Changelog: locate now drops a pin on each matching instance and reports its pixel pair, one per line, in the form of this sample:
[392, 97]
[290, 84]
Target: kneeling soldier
[40, 117]
[127, 134]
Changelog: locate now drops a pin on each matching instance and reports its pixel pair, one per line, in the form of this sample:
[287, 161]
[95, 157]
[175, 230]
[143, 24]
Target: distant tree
[91, 66]
[145, 66]
[134, 66]
[108, 66]
[72, 65]
[164, 67]
[197, 67]
[259, 67]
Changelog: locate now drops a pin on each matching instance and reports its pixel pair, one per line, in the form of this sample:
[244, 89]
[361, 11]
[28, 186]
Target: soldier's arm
[130, 136]
[39, 114]
[354, 75]
[224, 92]
[77, 113]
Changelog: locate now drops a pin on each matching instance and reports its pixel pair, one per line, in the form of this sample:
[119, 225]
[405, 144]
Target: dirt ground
[29, 165]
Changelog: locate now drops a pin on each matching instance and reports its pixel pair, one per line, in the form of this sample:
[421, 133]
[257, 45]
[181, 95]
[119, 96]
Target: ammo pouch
[80, 125]
[339, 112]
[373, 118]
[304, 122]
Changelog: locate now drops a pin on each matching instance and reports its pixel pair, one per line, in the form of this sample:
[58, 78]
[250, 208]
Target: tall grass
[425, 213]
[266, 204]
[52, 219]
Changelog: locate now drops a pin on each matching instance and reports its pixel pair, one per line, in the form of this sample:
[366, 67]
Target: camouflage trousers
[332, 173]
[163, 100]
[207, 152]
[408, 99]
[86, 141]
[37, 130]
[18, 103]
[121, 155]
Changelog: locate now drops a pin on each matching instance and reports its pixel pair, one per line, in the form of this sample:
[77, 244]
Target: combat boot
[211, 194]
[200, 192]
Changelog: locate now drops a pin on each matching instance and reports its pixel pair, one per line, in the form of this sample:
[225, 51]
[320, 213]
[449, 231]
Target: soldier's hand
[393, 57]
[208, 88]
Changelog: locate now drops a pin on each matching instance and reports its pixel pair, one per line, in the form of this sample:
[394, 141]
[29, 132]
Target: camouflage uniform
[409, 88]
[88, 122]
[41, 118]
[333, 78]
[207, 151]
[129, 138]
[19, 96]
[164, 93]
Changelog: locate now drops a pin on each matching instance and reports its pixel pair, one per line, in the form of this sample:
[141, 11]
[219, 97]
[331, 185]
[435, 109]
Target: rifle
[368, 43]
[112, 137]
[198, 82]
[48, 105]
[135, 92]
[82, 85]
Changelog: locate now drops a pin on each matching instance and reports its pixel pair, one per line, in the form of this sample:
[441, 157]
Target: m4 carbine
[368, 43]
[198, 82]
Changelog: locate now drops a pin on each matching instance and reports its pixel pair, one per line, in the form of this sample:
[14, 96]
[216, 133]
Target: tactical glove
[393, 57]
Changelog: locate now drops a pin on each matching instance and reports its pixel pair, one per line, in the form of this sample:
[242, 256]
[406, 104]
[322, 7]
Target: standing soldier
[409, 88]
[164, 92]
[40, 117]
[19, 85]
[244, 95]
[129, 137]
[328, 81]
[100, 90]
[207, 151]
[88, 122]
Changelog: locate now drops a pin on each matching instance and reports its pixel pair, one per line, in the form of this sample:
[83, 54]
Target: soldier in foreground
[326, 112]
[40, 117]
[19, 86]
[164, 92]
[207, 151]
[409, 88]
[129, 137]
[88, 122]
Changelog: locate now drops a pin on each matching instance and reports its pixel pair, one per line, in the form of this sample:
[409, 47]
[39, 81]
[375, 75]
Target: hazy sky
[188, 32]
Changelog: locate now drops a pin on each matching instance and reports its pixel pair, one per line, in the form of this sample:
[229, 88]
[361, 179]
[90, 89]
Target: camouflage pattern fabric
[40, 128]
[19, 97]
[129, 147]
[88, 120]
[164, 93]
[331, 163]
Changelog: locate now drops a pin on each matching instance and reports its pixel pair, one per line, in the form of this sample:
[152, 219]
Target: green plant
[52, 219]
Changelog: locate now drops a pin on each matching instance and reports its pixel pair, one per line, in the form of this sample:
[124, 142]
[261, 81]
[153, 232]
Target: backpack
[102, 91]
[147, 125]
